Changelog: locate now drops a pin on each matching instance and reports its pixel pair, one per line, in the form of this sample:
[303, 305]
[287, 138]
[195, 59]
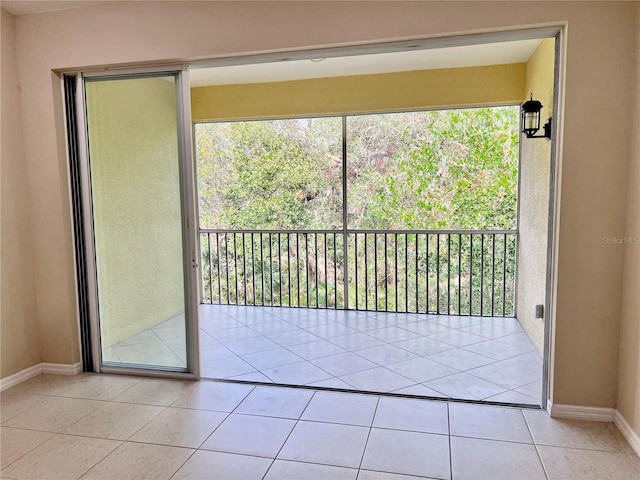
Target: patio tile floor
[466, 358]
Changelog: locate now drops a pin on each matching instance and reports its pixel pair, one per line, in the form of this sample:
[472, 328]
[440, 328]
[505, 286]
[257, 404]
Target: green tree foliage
[435, 170]
[279, 174]
[450, 169]
[454, 169]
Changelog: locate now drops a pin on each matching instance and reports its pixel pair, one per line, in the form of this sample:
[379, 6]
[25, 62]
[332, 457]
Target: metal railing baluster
[253, 268]
[386, 276]
[262, 268]
[326, 279]
[244, 268]
[210, 268]
[298, 265]
[471, 274]
[366, 274]
[438, 274]
[306, 262]
[315, 259]
[504, 275]
[406, 272]
[335, 269]
[375, 263]
[395, 273]
[449, 274]
[229, 258]
[417, 274]
[459, 274]
[279, 271]
[355, 269]
[271, 270]
[493, 272]
[289, 268]
[219, 273]
[482, 274]
[235, 263]
[427, 274]
[223, 266]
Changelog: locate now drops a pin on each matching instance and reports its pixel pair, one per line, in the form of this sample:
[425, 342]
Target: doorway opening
[397, 303]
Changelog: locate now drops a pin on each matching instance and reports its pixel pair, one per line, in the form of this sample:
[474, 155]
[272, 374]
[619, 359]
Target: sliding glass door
[139, 184]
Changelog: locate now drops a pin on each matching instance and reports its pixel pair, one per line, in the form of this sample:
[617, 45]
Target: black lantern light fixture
[531, 119]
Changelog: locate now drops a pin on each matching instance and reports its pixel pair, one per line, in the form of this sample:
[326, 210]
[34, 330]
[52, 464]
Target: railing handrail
[360, 231]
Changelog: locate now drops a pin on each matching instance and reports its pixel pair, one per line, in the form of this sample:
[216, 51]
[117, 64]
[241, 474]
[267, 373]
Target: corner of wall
[628, 401]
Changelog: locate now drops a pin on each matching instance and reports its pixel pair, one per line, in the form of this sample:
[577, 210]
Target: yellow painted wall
[445, 88]
[594, 158]
[629, 373]
[136, 204]
[19, 334]
[534, 197]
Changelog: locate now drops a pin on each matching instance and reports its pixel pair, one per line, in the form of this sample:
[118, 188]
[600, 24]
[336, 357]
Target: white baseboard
[632, 437]
[598, 414]
[21, 376]
[61, 368]
[27, 373]
[577, 412]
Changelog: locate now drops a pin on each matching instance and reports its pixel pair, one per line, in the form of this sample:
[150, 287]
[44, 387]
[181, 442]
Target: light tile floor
[104, 427]
[460, 357]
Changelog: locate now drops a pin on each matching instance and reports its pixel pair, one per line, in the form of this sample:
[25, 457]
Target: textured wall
[136, 204]
[533, 205]
[455, 87]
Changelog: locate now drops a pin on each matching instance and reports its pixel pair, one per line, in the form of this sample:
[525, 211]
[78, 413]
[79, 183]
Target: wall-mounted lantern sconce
[531, 119]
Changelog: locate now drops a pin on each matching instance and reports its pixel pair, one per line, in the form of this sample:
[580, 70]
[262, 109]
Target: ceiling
[416, 59]
[425, 59]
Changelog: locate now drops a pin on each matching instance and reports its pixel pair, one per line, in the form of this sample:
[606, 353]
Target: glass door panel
[134, 142]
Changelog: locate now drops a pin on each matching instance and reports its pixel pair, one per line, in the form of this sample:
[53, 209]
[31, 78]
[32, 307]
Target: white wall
[595, 152]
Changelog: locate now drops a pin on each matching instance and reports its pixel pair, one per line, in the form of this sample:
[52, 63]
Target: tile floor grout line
[53, 435]
[228, 414]
[82, 417]
[213, 431]
[144, 425]
[183, 464]
[497, 440]
[393, 394]
[514, 390]
[489, 381]
[544, 468]
[366, 443]
[288, 436]
[449, 435]
[102, 459]
[535, 444]
[582, 449]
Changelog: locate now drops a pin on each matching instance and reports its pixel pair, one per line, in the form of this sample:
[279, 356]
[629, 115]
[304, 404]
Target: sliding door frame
[188, 214]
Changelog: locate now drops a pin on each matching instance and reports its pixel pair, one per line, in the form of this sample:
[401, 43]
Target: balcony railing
[428, 271]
